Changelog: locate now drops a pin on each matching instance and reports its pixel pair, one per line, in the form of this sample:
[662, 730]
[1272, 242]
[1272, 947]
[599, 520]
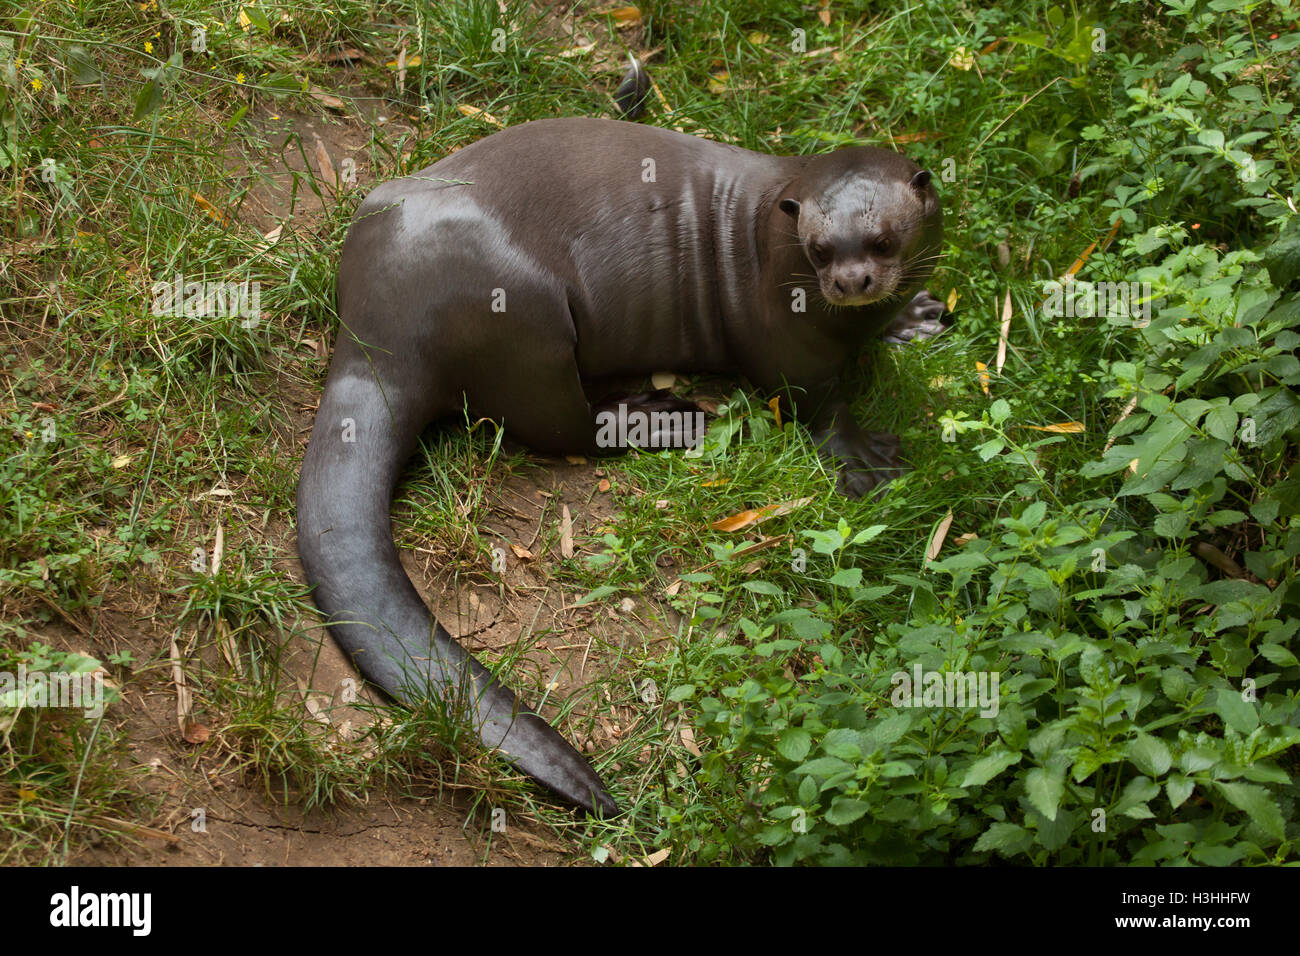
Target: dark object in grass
[555, 253]
[632, 92]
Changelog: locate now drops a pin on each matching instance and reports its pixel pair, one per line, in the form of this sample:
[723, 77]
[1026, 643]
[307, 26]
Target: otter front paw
[866, 463]
[922, 318]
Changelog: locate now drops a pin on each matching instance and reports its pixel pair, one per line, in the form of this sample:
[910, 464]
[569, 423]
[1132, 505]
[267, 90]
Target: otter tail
[362, 435]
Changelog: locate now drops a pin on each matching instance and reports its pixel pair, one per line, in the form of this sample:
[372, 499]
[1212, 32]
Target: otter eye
[821, 253]
[884, 246]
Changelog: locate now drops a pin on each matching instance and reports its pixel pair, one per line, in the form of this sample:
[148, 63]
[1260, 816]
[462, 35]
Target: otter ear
[921, 180]
[790, 207]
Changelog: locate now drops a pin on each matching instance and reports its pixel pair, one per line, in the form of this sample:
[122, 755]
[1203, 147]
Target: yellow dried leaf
[1064, 428]
[754, 516]
[212, 211]
[484, 115]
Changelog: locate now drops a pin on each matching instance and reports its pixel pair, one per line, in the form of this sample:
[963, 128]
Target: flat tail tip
[602, 805]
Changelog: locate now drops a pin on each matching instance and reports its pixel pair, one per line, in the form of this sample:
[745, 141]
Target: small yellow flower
[148, 47]
[239, 78]
[31, 434]
[36, 85]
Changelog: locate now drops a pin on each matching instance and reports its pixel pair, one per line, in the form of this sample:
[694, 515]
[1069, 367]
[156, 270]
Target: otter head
[869, 222]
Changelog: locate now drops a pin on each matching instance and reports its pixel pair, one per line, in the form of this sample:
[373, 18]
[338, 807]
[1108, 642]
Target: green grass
[146, 413]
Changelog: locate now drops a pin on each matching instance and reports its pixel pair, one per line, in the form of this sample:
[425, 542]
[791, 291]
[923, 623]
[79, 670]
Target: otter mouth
[857, 298]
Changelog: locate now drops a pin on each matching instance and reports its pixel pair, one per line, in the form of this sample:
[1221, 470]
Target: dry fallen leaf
[578, 50]
[270, 239]
[325, 165]
[936, 540]
[961, 59]
[327, 99]
[654, 859]
[983, 371]
[196, 733]
[1004, 332]
[566, 532]
[213, 213]
[575, 459]
[906, 139]
[1064, 428]
[744, 519]
[603, 485]
[340, 56]
[1128, 410]
[183, 701]
[625, 16]
[663, 379]
[484, 115]
[775, 405]
[687, 736]
[522, 553]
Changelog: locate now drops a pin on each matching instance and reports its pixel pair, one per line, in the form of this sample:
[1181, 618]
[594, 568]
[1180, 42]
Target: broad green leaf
[845, 810]
[986, 768]
[1150, 755]
[1258, 803]
[1006, 838]
[1044, 788]
[794, 743]
[1238, 714]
